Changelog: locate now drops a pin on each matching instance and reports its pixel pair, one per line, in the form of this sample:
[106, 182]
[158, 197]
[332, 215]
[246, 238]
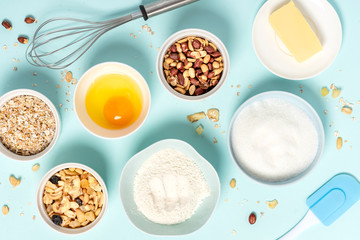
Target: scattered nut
[23, 40]
[272, 204]
[233, 183]
[324, 91]
[14, 181]
[252, 218]
[191, 59]
[5, 210]
[196, 117]
[199, 129]
[73, 198]
[35, 167]
[29, 20]
[213, 114]
[6, 25]
[347, 110]
[339, 143]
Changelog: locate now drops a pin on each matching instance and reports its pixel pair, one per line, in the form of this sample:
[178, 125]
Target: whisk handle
[162, 6]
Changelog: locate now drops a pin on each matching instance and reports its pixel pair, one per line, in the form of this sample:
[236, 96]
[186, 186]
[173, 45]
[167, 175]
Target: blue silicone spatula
[328, 203]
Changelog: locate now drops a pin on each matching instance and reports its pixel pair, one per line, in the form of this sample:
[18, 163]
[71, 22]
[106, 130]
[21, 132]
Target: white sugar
[274, 140]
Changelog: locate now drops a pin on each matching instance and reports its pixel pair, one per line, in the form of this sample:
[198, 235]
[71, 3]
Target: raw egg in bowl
[112, 100]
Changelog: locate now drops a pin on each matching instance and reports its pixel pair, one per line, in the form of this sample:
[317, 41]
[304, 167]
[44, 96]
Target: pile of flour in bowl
[169, 187]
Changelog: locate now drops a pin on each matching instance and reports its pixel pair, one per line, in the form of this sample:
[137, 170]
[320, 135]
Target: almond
[6, 25]
[23, 40]
[29, 20]
[252, 218]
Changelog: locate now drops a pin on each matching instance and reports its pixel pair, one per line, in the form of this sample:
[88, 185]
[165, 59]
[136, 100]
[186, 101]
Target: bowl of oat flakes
[193, 64]
[72, 198]
[29, 124]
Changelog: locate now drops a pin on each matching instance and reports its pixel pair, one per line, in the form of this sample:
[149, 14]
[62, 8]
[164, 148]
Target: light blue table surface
[231, 21]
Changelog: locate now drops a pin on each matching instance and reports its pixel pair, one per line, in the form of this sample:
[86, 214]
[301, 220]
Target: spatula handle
[307, 221]
[162, 6]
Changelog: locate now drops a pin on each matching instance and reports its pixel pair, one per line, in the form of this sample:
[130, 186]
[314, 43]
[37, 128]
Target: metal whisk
[58, 48]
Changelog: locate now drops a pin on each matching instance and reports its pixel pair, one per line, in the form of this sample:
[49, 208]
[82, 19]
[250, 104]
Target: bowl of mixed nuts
[193, 64]
[29, 124]
[72, 198]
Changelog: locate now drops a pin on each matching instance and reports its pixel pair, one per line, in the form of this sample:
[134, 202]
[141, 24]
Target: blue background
[231, 21]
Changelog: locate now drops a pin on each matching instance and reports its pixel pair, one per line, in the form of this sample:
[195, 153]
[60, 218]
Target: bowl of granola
[193, 64]
[29, 124]
[72, 198]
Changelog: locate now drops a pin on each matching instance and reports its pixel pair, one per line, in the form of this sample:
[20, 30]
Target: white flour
[169, 187]
[274, 140]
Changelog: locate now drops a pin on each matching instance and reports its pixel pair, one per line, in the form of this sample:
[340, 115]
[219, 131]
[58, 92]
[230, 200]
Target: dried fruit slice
[233, 183]
[213, 114]
[272, 204]
[196, 117]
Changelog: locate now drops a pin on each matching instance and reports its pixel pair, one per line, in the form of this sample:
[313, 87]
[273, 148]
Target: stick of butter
[295, 32]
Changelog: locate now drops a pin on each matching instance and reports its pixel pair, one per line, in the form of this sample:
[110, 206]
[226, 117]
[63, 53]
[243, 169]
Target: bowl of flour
[276, 137]
[169, 189]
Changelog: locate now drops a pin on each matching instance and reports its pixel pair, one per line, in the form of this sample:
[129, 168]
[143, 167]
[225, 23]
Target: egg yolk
[119, 111]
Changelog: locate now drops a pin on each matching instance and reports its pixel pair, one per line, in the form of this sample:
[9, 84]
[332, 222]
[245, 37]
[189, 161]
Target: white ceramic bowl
[81, 90]
[41, 206]
[197, 33]
[18, 92]
[296, 101]
[202, 214]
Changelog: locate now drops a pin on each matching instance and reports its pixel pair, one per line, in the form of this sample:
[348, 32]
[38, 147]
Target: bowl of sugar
[169, 189]
[276, 137]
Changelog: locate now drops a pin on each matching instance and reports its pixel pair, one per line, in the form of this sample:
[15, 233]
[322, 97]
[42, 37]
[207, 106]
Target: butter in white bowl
[295, 32]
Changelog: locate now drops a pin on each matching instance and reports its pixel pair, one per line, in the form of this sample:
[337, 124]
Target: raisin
[55, 179]
[56, 219]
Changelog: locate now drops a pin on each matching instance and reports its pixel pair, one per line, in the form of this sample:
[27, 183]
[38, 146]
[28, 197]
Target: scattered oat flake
[199, 129]
[14, 181]
[21, 214]
[144, 26]
[353, 118]
[257, 202]
[249, 86]
[238, 86]
[238, 94]
[15, 44]
[233, 231]
[232, 86]
[35, 167]
[243, 202]
[152, 33]
[68, 76]
[34, 84]
[34, 217]
[324, 91]
[335, 93]
[345, 141]
[233, 183]
[326, 111]
[5, 47]
[272, 204]
[226, 200]
[58, 86]
[215, 141]
[5, 209]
